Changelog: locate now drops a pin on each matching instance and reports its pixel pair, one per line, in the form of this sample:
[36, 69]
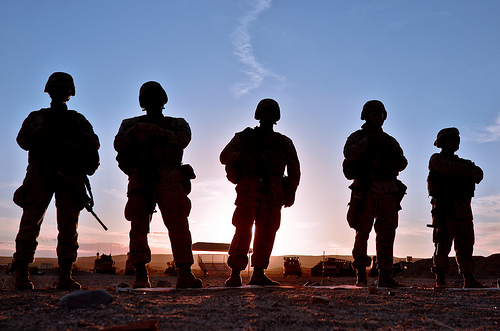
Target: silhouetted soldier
[255, 160]
[374, 159]
[150, 149]
[451, 183]
[62, 150]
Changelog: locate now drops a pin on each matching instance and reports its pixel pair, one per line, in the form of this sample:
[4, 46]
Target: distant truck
[332, 267]
[171, 269]
[291, 266]
[402, 265]
[104, 264]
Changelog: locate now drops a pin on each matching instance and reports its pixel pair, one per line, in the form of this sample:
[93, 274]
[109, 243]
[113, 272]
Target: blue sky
[434, 64]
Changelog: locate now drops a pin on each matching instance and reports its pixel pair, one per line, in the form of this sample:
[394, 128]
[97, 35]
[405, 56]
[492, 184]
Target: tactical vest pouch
[351, 170]
[91, 162]
[20, 197]
[234, 172]
[188, 174]
[125, 161]
[355, 206]
[432, 184]
[401, 190]
[289, 192]
[354, 209]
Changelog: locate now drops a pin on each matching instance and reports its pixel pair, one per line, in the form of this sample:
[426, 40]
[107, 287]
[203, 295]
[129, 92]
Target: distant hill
[485, 267]
[159, 261]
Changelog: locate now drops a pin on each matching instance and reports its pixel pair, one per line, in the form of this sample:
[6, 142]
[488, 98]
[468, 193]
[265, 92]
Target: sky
[434, 64]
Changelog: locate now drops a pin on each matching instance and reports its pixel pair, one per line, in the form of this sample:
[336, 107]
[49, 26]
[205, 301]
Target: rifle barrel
[98, 220]
[90, 210]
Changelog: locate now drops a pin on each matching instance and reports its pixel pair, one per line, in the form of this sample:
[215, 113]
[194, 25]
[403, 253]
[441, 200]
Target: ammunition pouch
[401, 191]
[125, 163]
[351, 170]
[188, 174]
[358, 197]
[19, 197]
[234, 172]
[91, 162]
[289, 192]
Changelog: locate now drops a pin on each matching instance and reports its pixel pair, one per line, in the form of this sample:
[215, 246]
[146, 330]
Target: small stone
[319, 299]
[164, 283]
[121, 287]
[326, 282]
[86, 299]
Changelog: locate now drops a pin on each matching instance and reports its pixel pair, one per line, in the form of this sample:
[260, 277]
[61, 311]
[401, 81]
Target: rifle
[90, 205]
[438, 212]
[87, 202]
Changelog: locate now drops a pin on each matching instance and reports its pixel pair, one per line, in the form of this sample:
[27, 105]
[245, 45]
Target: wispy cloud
[255, 71]
[487, 206]
[486, 227]
[120, 195]
[489, 134]
[487, 240]
[210, 189]
[10, 185]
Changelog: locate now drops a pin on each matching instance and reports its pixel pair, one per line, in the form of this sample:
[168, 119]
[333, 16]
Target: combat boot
[234, 280]
[23, 281]
[141, 276]
[471, 282]
[66, 282]
[361, 277]
[385, 279]
[440, 280]
[186, 279]
[260, 278]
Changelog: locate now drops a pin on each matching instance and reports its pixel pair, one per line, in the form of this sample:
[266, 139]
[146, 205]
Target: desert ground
[291, 307]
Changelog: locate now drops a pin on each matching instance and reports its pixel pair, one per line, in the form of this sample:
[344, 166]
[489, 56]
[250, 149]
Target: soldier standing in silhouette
[255, 161]
[62, 150]
[373, 159]
[451, 183]
[150, 149]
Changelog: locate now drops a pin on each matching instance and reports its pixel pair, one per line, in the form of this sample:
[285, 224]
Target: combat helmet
[444, 134]
[60, 80]
[372, 106]
[270, 106]
[152, 94]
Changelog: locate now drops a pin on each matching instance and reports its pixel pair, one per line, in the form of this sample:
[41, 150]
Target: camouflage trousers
[459, 232]
[378, 210]
[34, 196]
[266, 216]
[174, 205]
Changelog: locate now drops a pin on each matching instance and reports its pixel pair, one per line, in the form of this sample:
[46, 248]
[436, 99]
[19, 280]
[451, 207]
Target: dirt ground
[296, 307]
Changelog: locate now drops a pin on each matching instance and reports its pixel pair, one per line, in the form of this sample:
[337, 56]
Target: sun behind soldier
[62, 150]
[255, 160]
[373, 159]
[451, 183]
[150, 149]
